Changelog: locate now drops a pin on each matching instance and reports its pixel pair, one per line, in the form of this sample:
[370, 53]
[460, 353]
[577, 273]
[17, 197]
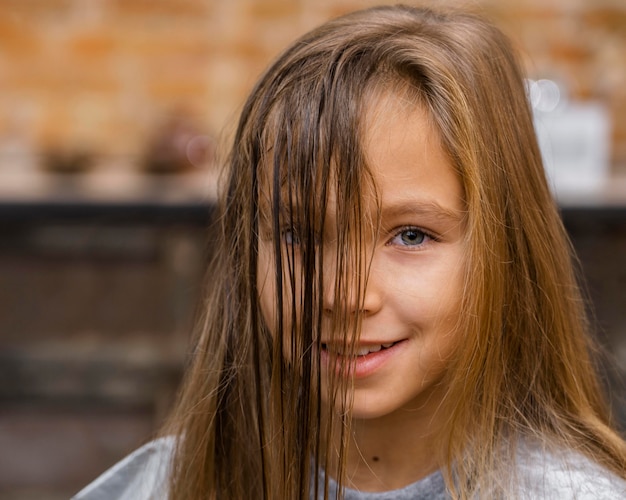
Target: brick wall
[92, 335]
[101, 76]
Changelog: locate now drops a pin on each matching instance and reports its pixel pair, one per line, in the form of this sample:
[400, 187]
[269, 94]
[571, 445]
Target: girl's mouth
[363, 361]
[364, 350]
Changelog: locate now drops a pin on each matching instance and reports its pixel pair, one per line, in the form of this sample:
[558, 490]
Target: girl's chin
[357, 408]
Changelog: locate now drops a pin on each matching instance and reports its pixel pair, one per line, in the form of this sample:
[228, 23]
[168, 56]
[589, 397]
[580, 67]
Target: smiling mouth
[364, 350]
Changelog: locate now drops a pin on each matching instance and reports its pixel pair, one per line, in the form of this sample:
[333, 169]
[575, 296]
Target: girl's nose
[352, 291]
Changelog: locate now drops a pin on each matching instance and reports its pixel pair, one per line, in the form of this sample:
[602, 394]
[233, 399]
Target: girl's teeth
[372, 348]
[362, 351]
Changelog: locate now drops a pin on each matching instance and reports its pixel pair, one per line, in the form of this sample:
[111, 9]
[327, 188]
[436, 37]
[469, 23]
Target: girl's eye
[410, 237]
[290, 237]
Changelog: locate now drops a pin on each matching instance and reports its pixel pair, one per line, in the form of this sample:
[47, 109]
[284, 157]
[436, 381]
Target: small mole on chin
[375, 459]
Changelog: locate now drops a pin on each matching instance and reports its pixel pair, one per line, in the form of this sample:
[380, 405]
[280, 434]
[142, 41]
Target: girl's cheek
[266, 288]
[268, 295]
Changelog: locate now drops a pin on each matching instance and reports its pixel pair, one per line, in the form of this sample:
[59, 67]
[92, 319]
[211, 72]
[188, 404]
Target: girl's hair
[249, 419]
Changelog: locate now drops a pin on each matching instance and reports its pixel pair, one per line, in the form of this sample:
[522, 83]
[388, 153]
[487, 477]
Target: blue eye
[290, 237]
[410, 237]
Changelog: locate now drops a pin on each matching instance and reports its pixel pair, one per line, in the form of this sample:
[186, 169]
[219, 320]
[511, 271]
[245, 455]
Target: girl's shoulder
[540, 472]
[548, 473]
[142, 475]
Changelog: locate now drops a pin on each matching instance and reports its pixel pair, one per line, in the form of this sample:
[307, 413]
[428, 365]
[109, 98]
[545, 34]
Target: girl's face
[410, 308]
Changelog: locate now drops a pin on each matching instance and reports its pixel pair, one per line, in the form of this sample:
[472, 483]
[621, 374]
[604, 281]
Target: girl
[393, 312]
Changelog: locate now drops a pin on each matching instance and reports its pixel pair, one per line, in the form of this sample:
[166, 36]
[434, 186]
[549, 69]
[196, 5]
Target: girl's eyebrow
[428, 209]
[289, 211]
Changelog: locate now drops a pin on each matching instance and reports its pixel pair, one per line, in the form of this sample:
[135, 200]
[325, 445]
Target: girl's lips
[369, 358]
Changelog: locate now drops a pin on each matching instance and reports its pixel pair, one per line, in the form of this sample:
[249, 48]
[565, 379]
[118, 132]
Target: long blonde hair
[249, 417]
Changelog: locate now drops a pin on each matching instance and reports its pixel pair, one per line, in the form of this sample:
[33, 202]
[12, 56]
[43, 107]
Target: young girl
[393, 311]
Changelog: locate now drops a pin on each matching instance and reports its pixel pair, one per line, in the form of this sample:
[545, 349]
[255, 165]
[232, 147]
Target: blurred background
[112, 116]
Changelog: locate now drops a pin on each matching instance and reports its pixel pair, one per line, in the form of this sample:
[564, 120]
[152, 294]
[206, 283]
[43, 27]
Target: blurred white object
[574, 138]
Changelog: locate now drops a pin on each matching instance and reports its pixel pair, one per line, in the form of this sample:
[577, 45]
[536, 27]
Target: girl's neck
[390, 452]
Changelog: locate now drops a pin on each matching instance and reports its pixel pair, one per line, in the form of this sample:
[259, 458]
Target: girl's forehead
[391, 99]
[299, 165]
